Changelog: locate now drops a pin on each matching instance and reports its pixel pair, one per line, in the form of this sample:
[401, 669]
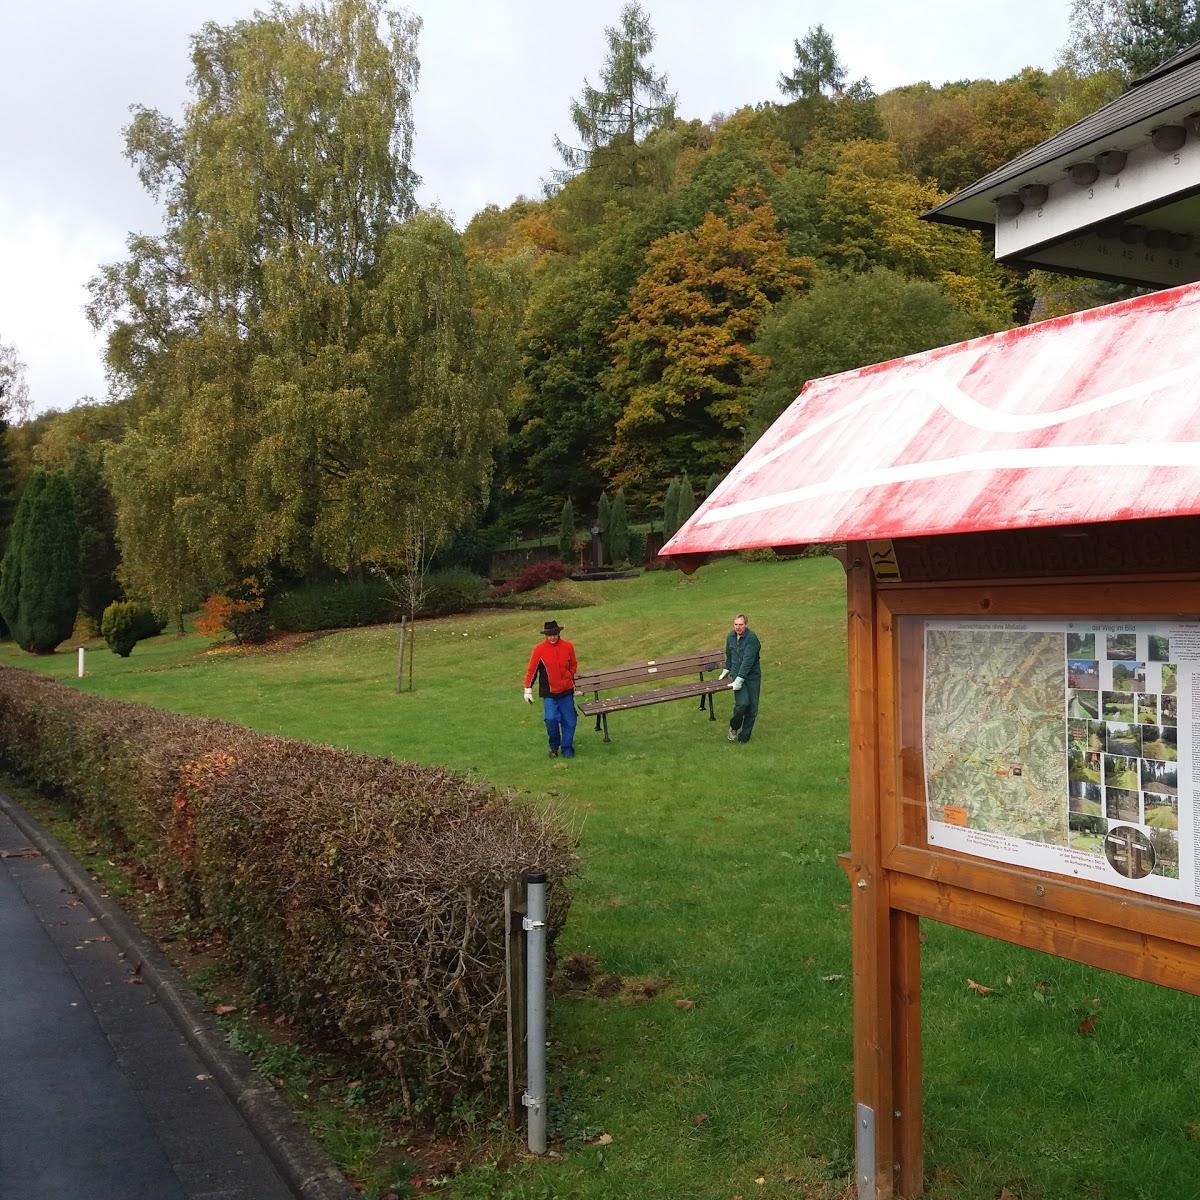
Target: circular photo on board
[1129, 852]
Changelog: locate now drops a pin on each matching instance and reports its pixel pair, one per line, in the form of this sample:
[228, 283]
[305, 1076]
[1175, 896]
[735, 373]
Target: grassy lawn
[712, 865]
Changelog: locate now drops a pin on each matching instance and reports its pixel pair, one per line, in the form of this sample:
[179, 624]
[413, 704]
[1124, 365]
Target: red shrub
[533, 576]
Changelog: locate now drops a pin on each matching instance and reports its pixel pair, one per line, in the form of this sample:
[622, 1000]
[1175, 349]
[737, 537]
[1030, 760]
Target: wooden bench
[632, 674]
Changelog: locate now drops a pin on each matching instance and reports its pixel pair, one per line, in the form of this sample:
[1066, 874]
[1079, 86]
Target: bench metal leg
[712, 716]
[604, 717]
[597, 696]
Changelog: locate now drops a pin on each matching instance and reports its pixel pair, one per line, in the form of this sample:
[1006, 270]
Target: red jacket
[555, 666]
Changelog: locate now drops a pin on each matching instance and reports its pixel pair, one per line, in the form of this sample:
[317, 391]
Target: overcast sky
[496, 80]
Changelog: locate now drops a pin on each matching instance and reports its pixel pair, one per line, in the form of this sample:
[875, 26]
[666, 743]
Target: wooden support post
[907, 1119]
[886, 959]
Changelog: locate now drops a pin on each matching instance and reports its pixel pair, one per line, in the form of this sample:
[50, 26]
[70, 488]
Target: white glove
[722, 674]
[737, 684]
[529, 695]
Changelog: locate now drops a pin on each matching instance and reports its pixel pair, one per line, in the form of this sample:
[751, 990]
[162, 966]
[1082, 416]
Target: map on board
[994, 756]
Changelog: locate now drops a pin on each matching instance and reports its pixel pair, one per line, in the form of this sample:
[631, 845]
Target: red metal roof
[1090, 417]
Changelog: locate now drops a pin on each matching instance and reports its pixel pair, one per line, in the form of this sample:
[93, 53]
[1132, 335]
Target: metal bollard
[534, 924]
[81, 652]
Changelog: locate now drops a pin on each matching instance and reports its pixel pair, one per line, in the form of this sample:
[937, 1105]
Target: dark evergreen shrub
[604, 520]
[566, 532]
[687, 502]
[671, 509]
[618, 529]
[39, 577]
[98, 554]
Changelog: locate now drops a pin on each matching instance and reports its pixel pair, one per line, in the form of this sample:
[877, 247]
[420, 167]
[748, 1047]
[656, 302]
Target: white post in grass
[80, 662]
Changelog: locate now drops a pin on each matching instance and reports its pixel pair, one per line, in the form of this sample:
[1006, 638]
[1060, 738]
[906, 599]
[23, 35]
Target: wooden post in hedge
[514, 981]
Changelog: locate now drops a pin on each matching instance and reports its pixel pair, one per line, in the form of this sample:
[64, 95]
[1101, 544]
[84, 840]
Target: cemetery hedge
[362, 896]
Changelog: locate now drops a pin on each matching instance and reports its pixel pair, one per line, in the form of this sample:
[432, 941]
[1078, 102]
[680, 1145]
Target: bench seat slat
[682, 691]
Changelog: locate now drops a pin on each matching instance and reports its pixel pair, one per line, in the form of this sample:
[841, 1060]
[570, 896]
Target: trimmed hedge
[363, 896]
[337, 605]
[344, 603]
[453, 590]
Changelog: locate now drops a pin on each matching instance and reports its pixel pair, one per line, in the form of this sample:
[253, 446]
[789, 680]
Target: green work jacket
[741, 655]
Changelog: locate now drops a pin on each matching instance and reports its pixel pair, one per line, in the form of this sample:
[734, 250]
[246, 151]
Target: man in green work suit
[742, 651]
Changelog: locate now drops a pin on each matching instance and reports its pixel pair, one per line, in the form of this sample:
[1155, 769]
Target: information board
[1066, 746]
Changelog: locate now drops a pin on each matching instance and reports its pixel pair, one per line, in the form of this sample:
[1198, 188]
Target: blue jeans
[560, 717]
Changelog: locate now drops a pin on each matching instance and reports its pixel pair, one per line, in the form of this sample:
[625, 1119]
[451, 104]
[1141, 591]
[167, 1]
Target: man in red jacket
[553, 662]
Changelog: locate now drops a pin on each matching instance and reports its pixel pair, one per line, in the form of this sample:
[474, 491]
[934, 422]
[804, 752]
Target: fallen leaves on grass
[605, 1139]
[1087, 1027]
[979, 988]
[700, 1118]
[831, 978]
[223, 1010]
[685, 1004]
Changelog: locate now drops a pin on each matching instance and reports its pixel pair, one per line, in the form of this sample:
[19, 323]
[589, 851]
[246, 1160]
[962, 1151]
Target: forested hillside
[309, 375]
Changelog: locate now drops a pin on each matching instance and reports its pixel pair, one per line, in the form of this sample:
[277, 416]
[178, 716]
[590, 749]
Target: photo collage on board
[1122, 751]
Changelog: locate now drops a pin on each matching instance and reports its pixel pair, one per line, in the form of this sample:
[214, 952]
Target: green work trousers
[745, 709]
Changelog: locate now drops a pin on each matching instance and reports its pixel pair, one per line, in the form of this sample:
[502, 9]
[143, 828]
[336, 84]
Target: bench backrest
[649, 670]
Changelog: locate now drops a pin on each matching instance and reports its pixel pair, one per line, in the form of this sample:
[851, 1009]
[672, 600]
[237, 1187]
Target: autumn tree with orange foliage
[682, 356]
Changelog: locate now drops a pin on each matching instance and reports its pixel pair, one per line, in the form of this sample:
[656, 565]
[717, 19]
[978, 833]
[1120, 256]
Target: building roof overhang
[1116, 195]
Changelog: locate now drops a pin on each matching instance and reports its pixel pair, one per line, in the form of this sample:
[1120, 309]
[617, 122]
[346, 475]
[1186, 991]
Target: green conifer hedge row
[363, 896]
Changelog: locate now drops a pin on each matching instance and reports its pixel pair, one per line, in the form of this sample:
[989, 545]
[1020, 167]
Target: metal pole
[80, 662]
[534, 925]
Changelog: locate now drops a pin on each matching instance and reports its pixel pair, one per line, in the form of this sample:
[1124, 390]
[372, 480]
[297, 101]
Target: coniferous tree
[711, 486]
[818, 68]
[604, 520]
[8, 474]
[96, 518]
[39, 577]
[671, 509]
[687, 501]
[618, 529]
[631, 100]
[566, 533]
[8, 485]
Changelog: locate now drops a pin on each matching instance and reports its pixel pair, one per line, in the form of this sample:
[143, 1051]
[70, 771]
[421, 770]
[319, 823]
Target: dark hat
[551, 627]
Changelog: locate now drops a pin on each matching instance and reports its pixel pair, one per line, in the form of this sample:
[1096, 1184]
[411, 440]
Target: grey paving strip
[115, 1082]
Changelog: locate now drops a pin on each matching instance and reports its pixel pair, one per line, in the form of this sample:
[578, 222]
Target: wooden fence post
[514, 975]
